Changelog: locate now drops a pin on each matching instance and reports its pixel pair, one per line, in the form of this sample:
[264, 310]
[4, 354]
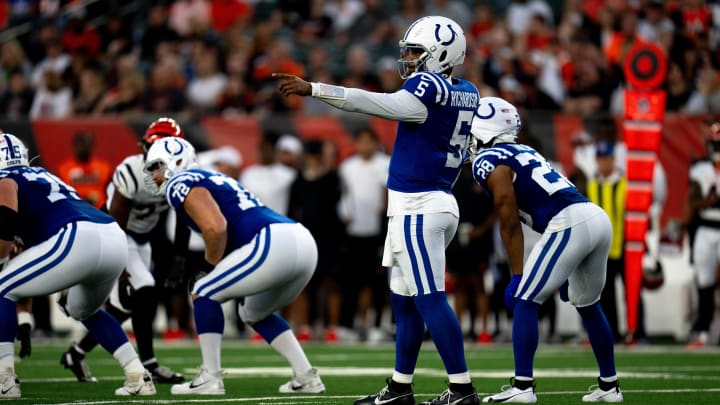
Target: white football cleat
[204, 383]
[9, 385]
[307, 382]
[600, 395]
[137, 384]
[510, 393]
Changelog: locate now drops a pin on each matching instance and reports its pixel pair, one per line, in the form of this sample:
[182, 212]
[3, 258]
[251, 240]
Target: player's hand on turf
[23, 335]
[510, 291]
[291, 84]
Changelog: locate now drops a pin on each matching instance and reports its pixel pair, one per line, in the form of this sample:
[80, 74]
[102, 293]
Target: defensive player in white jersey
[137, 210]
[573, 247]
[434, 111]
[69, 244]
[260, 256]
[704, 205]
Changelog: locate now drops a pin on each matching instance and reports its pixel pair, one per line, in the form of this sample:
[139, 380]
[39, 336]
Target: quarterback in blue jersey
[435, 111]
[260, 256]
[69, 244]
[571, 253]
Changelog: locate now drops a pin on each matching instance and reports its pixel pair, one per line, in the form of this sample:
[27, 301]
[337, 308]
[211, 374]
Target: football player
[138, 212]
[434, 111]
[260, 256]
[573, 247]
[69, 244]
[704, 204]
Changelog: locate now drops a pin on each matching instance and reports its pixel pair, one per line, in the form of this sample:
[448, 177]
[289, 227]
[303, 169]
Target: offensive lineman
[137, 210]
[258, 255]
[69, 244]
[434, 111]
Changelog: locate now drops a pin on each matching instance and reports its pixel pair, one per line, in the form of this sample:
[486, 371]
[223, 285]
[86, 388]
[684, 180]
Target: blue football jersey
[245, 214]
[428, 156]
[46, 204]
[540, 190]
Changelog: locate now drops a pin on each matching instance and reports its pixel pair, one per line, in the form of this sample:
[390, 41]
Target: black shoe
[163, 375]
[454, 397]
[394, 393]
[75, 362]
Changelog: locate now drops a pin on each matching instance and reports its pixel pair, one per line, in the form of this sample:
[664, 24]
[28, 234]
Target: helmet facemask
[406, 66]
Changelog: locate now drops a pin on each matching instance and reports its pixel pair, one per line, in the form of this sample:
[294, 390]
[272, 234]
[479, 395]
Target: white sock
[402, 378]
[288, 346]
[609, 379]
[128, 359]
[210, 347]
[521, 378]
[7, 357]
[459, 378]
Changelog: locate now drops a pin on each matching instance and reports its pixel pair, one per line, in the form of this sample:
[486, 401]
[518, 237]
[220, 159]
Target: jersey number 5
[460, 139]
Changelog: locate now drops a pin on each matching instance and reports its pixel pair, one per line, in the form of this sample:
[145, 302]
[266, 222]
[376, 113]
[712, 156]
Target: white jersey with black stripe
[129, 180]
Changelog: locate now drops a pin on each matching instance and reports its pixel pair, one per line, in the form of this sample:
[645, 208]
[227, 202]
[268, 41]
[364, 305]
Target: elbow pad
[9, 222]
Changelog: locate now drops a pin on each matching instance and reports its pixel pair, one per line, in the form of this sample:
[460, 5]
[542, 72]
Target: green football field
[649, 374]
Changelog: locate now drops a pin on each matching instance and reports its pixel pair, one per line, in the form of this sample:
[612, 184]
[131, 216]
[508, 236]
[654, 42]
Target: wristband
[322, 90]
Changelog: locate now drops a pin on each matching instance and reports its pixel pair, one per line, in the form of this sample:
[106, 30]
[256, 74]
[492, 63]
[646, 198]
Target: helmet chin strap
[504, 138]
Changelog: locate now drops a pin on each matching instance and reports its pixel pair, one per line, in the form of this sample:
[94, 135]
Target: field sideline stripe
[311, 397]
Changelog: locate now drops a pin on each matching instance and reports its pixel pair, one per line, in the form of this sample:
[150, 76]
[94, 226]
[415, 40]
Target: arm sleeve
[398, 106]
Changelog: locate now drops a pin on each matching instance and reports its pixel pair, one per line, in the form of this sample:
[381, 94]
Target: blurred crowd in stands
[63, 58]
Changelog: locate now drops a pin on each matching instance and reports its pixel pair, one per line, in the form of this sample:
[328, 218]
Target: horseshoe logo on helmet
[488, 115]
[177, 150]
[449, 41]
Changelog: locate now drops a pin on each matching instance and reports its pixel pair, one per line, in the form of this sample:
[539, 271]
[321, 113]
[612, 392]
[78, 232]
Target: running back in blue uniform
[259, 255]
[572, 250]
[68, 244]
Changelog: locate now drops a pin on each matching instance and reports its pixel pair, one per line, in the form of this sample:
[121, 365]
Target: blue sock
[106, 330]
[601, 338]
[209, 316]
[525, 336]
[8, 320]
[270, 327]
[409, 333]
[444, 329]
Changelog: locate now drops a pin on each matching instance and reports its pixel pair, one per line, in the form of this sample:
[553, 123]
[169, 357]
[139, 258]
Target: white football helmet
[166, 158]
[13, 151]
[495, 121]
[439, 41]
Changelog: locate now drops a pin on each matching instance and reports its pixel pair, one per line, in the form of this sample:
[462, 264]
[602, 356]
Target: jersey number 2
[544, 175]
